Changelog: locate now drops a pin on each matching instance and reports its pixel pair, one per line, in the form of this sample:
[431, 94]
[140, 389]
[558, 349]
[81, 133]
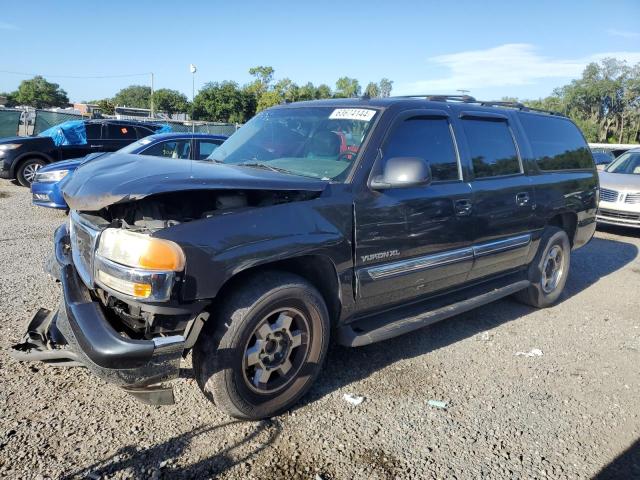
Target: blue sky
[493, 48]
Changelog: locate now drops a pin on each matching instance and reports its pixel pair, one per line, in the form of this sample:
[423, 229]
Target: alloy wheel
[276, 350]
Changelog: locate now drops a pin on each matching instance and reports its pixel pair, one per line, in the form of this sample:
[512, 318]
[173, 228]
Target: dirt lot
[572, 412]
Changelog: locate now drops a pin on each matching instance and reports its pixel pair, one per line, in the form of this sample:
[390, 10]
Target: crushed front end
[119, 316]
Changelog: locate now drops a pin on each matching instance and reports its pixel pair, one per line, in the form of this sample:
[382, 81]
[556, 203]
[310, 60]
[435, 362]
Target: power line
[76, 76]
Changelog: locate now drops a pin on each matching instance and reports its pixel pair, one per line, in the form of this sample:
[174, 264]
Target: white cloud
[8, 26]
[512, 64]
[623, 33]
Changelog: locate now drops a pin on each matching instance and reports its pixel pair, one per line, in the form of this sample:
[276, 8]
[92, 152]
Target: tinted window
[120, 132]
[493, 152]
[170, 149]
[626, 163]
[143, 132]
[556, 143]
[206, 148]
[93, 131]
[427, 138]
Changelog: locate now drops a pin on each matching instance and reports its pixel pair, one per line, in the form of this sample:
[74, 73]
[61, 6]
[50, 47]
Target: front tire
[27, 170]
[264, 347]
[549, 270]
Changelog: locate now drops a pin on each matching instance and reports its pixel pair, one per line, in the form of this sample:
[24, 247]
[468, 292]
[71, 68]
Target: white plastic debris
[534, 352]
[353, 399]
[438, 404]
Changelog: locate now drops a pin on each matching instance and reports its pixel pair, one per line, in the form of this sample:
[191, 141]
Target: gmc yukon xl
[350, 220]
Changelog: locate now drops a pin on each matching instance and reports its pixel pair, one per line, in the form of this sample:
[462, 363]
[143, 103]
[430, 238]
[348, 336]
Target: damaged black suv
[355, 220]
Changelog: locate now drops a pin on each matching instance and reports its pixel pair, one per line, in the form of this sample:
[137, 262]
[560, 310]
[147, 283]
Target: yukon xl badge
[380, 255]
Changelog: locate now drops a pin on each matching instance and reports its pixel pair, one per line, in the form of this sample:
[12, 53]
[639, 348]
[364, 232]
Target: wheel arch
[317, 269]
[26, 156]
[567, 221]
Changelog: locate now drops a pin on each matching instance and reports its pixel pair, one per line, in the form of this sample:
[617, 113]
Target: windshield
[318, 142]
[626, 163]
[135, 145]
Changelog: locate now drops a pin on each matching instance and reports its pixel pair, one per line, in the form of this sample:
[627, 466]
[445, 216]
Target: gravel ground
[571, 412]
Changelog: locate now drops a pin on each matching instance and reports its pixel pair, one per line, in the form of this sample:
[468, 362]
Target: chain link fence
[9, 122]
[32, 122]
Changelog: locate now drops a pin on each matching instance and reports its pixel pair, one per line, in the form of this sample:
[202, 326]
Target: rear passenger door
[116, 136]
[414, 241]
[502, 195]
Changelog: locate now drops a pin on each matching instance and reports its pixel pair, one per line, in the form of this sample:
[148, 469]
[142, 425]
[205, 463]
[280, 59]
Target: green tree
[39, 93]
[323, 91]
[347, 87]
[106, 106]
[223, 102]
[385, 85]
[11, 100]
[135, 96]
[372, 90]
[170, 101]
[307, 91]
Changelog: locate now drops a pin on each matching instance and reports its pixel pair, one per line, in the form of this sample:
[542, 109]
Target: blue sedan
[46, 187]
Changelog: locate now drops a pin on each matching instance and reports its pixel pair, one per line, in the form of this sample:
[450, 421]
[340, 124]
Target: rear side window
[120, 132]
[493, 152]
[144, 132]
[556, 143]
[206, 148]
[427, 138]
[93, 131]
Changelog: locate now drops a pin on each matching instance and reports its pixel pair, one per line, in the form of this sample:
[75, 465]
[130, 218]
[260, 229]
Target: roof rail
[441, 98]
[484, 103]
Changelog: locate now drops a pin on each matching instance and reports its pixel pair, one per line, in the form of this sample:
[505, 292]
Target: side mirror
[403, 172]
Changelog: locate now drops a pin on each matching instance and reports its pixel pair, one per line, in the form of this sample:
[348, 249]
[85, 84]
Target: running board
[388, 325]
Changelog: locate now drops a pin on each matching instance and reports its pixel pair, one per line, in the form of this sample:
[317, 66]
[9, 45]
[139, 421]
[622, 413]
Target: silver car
[620, 191]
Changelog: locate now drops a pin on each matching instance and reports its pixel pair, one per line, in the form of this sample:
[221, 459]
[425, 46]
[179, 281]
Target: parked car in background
[620, 191]
[602, 158]
[46, 187]
[439, 205]
[21, 157]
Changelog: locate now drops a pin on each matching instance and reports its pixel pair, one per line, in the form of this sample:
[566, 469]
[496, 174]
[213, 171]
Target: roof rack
[484, 103]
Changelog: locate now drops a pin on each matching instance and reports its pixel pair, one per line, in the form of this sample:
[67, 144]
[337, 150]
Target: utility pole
[193, 69]
[151, 100]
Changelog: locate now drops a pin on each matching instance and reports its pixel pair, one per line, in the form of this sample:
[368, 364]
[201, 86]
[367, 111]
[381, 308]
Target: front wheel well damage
[318, 270]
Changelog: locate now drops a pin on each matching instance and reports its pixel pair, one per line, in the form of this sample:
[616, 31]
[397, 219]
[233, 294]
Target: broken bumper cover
[79, 332]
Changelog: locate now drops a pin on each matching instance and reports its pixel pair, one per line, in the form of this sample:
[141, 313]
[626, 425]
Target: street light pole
[151, 100]
[193, 70]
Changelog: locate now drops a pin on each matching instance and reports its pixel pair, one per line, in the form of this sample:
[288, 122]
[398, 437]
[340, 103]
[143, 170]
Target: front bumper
[611, 215]
[47, 195]
[79, 332]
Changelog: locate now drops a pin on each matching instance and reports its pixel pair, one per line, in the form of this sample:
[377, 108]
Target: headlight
[137, 265]
[9, 146]
[140, 251]
[51, 176]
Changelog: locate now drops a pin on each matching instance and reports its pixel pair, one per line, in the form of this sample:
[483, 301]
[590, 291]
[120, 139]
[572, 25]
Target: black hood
[119, 178]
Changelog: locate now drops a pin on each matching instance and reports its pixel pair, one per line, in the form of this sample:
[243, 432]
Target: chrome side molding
[427, 262]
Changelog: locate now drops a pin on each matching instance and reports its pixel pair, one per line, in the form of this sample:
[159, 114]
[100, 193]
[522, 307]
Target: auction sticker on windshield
[363, 114]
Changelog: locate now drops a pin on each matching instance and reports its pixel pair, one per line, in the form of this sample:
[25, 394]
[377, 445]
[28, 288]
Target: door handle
[522, 199]
[463, 207]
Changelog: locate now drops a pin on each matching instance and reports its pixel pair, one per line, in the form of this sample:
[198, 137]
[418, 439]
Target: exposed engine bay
[164, 210]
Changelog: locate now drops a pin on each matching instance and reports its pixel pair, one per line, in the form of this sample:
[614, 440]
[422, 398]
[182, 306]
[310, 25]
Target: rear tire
[549, 270]
[264, 347]
[27, 170]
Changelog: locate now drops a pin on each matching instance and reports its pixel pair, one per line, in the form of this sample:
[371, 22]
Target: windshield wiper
[263, 165]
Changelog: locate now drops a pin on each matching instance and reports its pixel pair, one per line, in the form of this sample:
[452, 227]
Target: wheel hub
[272, 356]
[553, 269]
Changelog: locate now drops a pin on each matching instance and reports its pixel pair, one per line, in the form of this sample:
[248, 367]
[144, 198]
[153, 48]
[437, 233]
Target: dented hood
[119, 178]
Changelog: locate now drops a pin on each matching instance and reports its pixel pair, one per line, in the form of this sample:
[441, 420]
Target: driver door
[414, 241]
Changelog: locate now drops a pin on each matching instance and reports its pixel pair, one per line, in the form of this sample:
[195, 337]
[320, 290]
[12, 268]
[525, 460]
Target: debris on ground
[353, 399]
[534, 352]
[442, 405]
